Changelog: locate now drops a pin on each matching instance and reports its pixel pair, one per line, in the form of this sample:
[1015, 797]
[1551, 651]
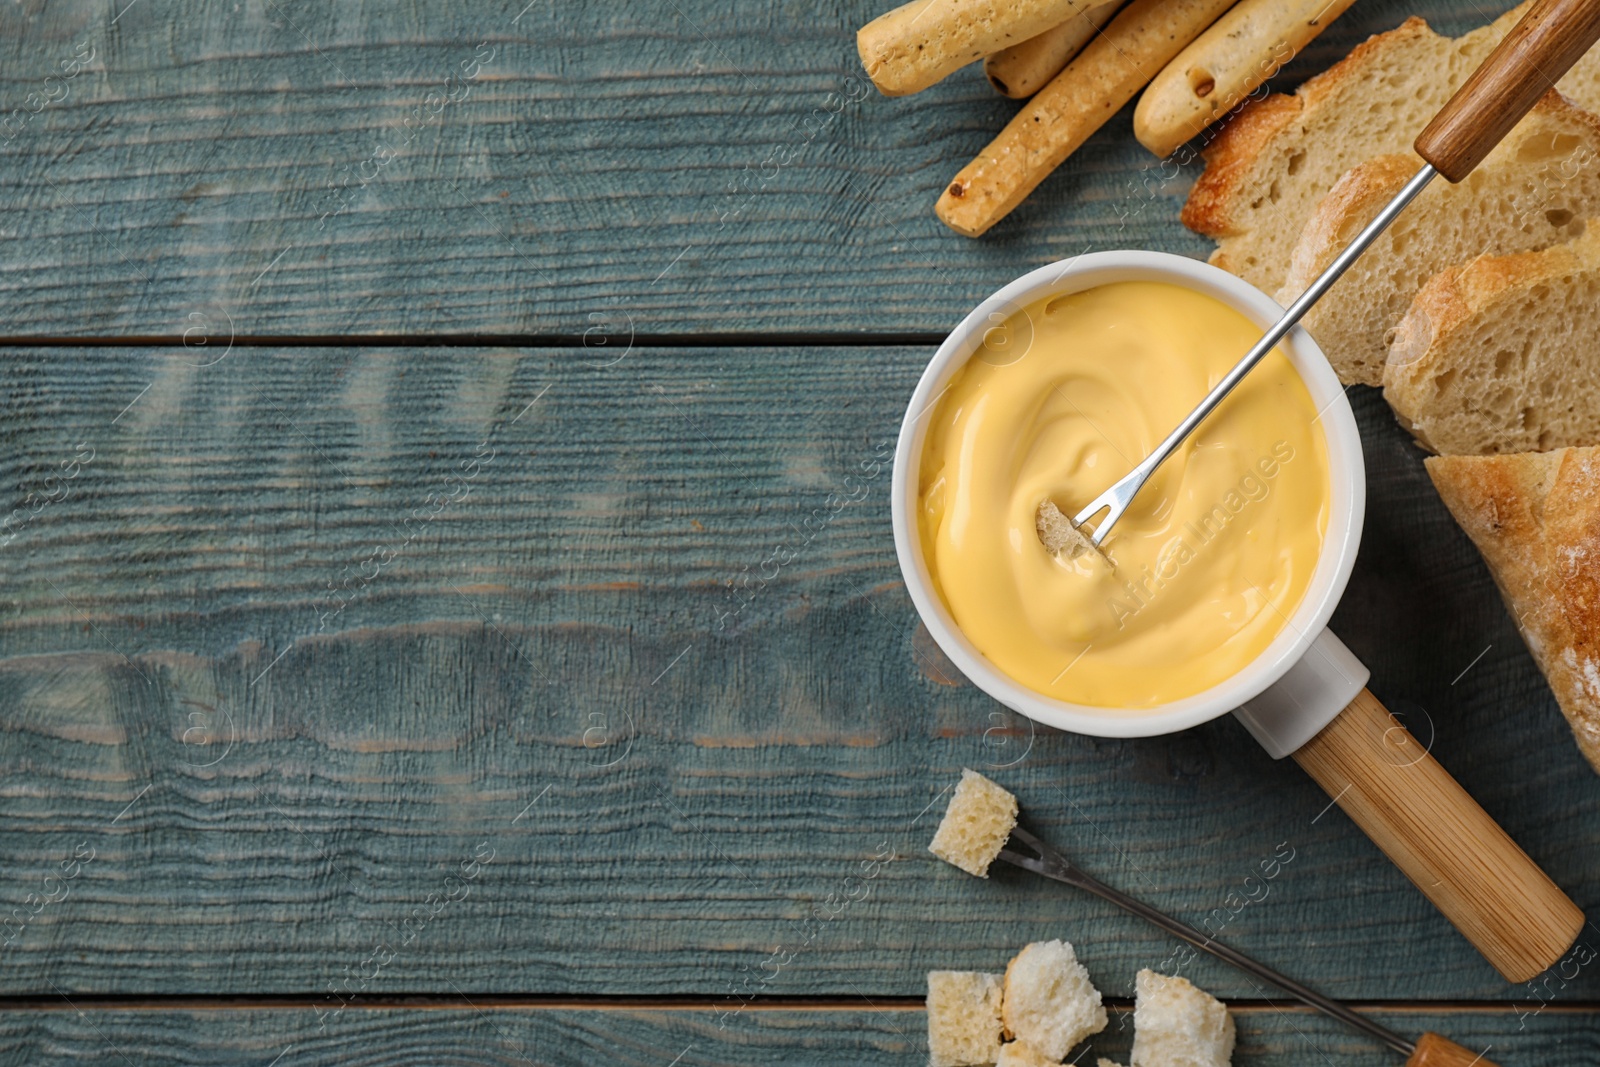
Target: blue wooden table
[403, 410]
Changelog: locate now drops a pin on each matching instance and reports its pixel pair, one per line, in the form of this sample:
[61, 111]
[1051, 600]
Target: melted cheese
[1215, 553]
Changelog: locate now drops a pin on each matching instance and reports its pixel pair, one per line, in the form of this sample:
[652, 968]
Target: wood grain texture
[677, 166]
[1435, 832]
[349, 672]
[690, 769]
[689, 1038]
[1436, 1051]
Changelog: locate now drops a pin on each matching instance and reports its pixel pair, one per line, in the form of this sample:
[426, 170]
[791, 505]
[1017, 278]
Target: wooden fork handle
[1549, 39]
[1435, 1051]
[1444, 842]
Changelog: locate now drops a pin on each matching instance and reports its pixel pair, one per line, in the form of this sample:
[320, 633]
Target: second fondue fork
[1548, 40]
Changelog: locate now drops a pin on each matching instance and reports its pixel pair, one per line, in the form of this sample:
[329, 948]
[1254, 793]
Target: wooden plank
[269, 709]
[680, 166]
[297, 1037]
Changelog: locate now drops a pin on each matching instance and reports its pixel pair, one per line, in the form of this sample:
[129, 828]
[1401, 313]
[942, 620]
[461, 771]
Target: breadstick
[1077, 102]
[914, 46]
[1021, 70]
[1225, 64]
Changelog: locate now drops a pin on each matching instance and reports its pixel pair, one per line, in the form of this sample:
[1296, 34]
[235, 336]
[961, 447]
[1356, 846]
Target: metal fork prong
[1100, 504]
[1113, 509]
[1113, 502]
[1019, 834]
[1120, 495]
[1050, 862]
[1027, 863]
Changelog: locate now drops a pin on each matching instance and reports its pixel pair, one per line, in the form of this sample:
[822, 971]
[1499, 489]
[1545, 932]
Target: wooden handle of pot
[1443, 841]
[1436, 1051]
[1551, 37]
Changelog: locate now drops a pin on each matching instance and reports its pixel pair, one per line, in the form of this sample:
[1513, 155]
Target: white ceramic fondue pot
[1305, 695]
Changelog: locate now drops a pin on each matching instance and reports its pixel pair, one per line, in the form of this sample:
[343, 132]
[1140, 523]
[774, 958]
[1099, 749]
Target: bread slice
[1268, 167]
[1536, 519]
[1502, 354]
[963, 1018]
[1532, 191]
[975, 825]
[1022, 1054]
[1049, 1000]
[1176, 1024]
[1271, 163]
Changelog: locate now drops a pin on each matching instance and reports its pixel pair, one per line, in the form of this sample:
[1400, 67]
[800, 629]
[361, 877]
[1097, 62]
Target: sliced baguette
[1532, 192]
[1502, 354]
[1272, 162]
[1536, 519]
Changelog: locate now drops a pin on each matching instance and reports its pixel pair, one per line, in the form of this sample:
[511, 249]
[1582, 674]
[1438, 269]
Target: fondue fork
[1548, 40]
[1430, 1050]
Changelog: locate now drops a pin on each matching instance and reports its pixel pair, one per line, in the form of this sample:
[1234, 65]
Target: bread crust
[1535, 516]
[1352, 202]
[1229, 158]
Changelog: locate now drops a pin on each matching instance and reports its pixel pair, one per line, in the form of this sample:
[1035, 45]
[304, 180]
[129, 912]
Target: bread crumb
[963, 1018]
[975, 826]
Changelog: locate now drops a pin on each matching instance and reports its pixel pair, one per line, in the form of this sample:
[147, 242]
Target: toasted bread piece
[1049, 1000]
[1176, 1024]
[1272, 162]
[975, 825]
[1535, 516]
[1022, 1054]
[1061, 538]
[963, 1018]
[1531, 192]
[1502, 354]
